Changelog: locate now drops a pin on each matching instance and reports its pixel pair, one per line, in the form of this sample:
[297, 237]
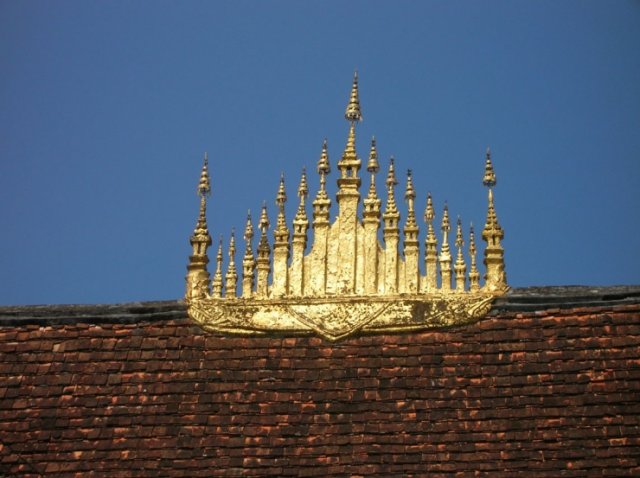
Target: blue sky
[106, 109]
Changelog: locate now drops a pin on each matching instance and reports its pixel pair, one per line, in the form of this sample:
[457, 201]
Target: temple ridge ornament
[349, 282]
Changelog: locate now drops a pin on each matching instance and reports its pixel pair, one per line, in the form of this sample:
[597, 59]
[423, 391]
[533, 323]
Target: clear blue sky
[106, 109]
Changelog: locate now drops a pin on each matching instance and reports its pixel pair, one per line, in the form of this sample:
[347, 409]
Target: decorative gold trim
[337, 318]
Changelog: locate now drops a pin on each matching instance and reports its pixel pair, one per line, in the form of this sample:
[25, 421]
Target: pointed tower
[495, 279]
[197, 274]
[321, 205]
[348, 198]
[391, 234]
[445, 252]
[460, 266]
[248, 262]
[371, 223]
[216, 283]
[300, 227]
[264, 256]
[280, 282]
[411, 244]
[231, 278]
[474, 275]
[431, 248]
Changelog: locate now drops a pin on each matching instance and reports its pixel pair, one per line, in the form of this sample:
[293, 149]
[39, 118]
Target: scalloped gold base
[336, 318]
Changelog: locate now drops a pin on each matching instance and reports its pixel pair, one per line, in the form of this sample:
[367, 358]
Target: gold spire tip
[281, 197]
[204, 185]
[353, 112]
[410, 192]
[303, 190]
[323, 163]
[489, 178]
[373, 166]
[391, 175]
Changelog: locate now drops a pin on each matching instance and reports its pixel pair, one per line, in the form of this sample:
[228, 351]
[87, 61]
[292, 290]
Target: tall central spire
[344, 282]
[349, 164]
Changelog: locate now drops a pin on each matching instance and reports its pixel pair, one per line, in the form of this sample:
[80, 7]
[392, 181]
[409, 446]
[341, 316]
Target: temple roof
[545, 385]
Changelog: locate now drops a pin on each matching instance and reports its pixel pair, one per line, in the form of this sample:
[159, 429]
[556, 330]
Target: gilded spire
[429, 216]
[303, 189]
[349, 164]
[445, 253]
[281, 197]
[410, 196]
[322, 203]
[303, 192]
[411, 243]
[489, 179]
[216, 284]
[446, 227]
[324, 166]
[474, 275]
[372, 202]
[323, 169]
[204, 185]
[282, 231]
[372, 165]
[352, 112]
[459, 239]
[248, 233]
[391, 182]
[231, 277]
[264, 222]
[197, 275]
[248, 261]
[431, 248]
[460, 266]
[204, 190]
[264, 250]
[495, 278]
[349, 154]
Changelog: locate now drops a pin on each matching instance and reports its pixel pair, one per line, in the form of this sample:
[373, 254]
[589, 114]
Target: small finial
[373, 166]
[391, 175]
[429, 214]
[232, 243]
[248, 230]
[303, 190]
[459, 239]
[353, 112]
[264, 219]
[446, 226]
[281, 197]
[474, 275]
[219, 254]
[472, 245]
[489, 179]
[323, 163]
[204, 185]
[410, 193]
[216, 283]
[391, 182]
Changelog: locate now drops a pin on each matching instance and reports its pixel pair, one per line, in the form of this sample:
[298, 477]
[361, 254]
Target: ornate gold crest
[348, 282]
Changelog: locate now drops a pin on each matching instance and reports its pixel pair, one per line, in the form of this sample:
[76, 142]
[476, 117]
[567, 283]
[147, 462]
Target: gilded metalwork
[349, 282]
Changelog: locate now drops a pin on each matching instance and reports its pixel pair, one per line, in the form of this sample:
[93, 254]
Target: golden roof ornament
[348, 281]
[352, 112]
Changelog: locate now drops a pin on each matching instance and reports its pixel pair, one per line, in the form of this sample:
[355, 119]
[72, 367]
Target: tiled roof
[547, 386]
